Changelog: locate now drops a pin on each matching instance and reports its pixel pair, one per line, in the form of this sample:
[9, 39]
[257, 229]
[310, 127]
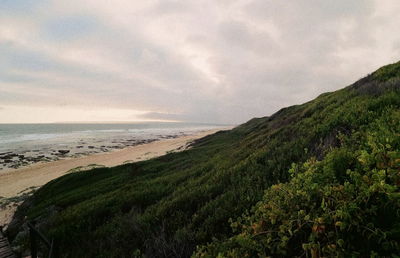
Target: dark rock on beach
[9, 156]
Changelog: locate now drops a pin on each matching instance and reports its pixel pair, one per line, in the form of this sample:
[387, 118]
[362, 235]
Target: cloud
[20, 6]
[206, 61]
[69, 28]
[162, 116]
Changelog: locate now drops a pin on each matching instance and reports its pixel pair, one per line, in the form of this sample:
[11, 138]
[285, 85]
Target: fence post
[51, 252]
[32, 236]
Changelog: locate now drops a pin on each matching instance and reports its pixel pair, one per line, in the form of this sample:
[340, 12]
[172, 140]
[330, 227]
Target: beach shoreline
[14, 183]
[25, 145]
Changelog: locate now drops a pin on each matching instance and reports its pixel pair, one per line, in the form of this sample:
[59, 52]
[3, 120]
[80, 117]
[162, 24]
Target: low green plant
[345, 205]
[237, 192]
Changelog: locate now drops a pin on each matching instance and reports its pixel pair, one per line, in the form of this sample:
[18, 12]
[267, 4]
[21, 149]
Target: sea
[25, 144]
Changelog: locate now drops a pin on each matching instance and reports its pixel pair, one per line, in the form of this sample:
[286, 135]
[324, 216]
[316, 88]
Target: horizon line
[116, 122]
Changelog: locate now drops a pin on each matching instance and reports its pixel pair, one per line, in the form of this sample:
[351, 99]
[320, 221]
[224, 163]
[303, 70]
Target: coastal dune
[15, 182]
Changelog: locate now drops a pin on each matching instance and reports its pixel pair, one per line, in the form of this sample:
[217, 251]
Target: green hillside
[317, 179]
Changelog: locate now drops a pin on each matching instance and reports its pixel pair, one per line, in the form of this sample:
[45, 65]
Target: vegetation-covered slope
[333, 164]
[347, 204]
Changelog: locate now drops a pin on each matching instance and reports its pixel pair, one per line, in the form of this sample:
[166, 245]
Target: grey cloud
[207, 61]
[162, 116]
[170, 7]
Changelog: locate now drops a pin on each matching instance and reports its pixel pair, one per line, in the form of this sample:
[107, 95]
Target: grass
[165, 207]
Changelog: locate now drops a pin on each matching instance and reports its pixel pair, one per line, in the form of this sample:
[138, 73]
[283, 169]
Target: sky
[190, 60]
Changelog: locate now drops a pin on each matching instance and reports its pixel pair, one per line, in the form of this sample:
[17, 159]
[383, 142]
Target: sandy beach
[14, 183]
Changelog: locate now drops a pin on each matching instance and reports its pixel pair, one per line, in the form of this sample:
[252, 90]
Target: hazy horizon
[197, 61]
[119, 122]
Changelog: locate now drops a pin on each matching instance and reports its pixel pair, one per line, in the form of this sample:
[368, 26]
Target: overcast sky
[217, 61]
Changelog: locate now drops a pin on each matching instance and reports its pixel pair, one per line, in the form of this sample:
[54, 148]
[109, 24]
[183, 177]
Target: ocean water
[24, 144]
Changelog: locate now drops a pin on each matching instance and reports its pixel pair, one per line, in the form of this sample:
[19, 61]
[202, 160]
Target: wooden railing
[35, 235]
[5, 248]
